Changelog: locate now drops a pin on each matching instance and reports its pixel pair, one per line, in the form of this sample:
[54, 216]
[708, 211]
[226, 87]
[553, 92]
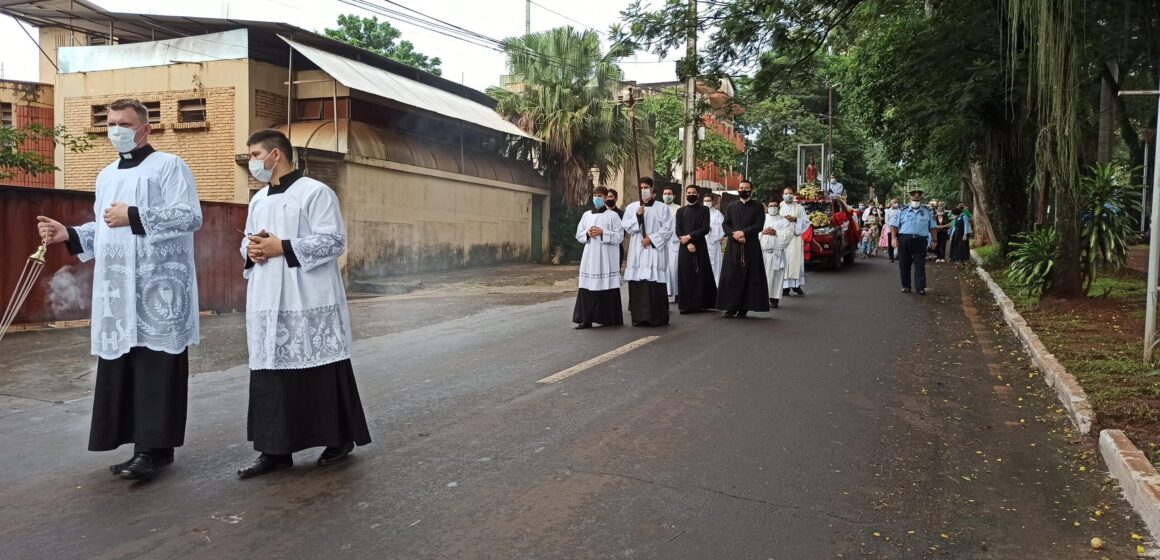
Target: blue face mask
[598, 201]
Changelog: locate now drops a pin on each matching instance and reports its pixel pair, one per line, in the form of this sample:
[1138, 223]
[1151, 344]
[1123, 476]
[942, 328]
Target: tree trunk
[979, 202]
[1067, 276]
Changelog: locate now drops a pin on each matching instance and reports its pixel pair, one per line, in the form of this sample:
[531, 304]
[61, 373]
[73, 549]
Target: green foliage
[566, 99]
[668, 113]
[1033, 257]
[1108, 229]
[380, 37]
[15, 158]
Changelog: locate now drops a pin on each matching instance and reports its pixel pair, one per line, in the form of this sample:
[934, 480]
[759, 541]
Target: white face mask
[259, 171]
[915, 204]
[787, 197]
[645, 194]
[772, 210]
[123, 139]
[668, 198]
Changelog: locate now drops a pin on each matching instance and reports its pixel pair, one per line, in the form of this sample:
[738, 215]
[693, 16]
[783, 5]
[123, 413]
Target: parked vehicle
[836, 233]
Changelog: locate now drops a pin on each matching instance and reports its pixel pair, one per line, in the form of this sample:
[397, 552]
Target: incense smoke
[70, 290]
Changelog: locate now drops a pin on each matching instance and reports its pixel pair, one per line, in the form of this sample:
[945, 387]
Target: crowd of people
[951, 240]
[740, 260]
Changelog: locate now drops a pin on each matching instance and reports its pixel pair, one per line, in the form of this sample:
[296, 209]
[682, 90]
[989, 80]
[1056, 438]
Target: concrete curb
[1067, 388]
[1138, 479]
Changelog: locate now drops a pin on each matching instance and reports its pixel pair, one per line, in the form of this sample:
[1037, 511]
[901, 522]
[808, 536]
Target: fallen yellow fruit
[1097, 543]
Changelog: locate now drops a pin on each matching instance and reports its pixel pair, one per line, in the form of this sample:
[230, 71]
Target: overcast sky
[475, 66]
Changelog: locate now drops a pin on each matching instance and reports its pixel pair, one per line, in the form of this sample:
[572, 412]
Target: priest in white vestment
[716, 234]
[669, 198]
[649, 226]
[303, 392]
[598, 298]
[795, 256]
[145, 308]
[775, 236]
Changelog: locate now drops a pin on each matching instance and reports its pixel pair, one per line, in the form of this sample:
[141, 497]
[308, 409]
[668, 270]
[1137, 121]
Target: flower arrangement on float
[810, 191]
[819, 219]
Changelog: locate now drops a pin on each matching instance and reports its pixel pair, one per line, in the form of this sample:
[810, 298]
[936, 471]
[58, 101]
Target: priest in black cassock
[743, 284]
[697, 288]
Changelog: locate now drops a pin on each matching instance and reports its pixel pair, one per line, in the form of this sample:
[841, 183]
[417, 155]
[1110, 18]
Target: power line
[547, 9]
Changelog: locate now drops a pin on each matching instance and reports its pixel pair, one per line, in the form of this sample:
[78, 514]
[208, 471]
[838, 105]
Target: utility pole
[528, 17]
[689, 162]
[1153, 241]
[830, 152]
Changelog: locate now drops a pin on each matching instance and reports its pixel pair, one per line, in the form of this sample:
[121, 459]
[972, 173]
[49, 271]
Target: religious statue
[811, 172]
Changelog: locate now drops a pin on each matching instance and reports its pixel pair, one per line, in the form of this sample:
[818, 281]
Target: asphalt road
[855, 422]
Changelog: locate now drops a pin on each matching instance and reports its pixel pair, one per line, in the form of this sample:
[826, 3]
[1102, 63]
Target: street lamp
[748, 149]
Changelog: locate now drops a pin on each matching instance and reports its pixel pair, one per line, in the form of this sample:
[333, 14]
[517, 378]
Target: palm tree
[568, 101]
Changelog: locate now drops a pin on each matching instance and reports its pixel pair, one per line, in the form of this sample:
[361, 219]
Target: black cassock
[743, 283]
[695, 285]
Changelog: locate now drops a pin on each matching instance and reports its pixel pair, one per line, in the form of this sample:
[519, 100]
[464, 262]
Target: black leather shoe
[266, 463]
[730, 314]
[116, 469]
[160, 459]
[906, 290]
[921, 292]
[785, 291]
[799, 291]
[583, 326]
[774, 302]
[332, 455]
[140, 467]
[742, 314]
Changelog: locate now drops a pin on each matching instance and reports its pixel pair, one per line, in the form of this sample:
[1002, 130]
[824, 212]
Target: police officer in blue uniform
[914, 231]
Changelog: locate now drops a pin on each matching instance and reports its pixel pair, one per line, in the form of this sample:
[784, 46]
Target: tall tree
[380, 37]
[667, 110]
[565, 97]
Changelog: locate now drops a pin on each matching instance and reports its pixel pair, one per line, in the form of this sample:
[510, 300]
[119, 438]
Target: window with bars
[101, 113]
[191, 111]
[6, 115]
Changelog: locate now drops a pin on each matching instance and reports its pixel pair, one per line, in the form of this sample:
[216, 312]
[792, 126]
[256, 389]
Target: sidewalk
[54, 365]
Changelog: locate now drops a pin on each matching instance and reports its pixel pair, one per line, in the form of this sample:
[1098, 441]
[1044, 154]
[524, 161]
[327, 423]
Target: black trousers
[912, 250]
[890, 245]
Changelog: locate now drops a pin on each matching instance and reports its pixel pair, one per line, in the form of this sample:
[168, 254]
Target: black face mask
[610, 203]
[692, 198]
[744, 194]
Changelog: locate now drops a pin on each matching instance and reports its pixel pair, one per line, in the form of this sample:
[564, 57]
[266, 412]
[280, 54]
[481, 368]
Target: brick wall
[23, 115]
[207, 148]
[269, 105]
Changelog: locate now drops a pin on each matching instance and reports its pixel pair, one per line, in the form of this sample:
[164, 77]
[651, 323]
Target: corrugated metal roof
[364, 77]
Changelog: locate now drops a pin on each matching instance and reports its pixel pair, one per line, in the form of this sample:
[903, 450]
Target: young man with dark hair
[669, 197]
[698, 289]
[145, 310]
[302, 386]
[649, 225]
[598, 298]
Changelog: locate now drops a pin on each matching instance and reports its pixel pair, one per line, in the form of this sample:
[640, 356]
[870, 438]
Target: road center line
[597, 360]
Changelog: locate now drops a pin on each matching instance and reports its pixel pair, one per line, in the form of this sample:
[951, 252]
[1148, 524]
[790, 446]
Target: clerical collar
[600, 210]
[285, 182]
[134, 157]
[649, 203]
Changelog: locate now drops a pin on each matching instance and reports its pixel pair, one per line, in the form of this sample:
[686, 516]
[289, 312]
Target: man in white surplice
[716, 234]
[795, 257]
[598, 297]
[670, 199]
[649, 225]
[775, 236]
[145, 309]
[302, 387]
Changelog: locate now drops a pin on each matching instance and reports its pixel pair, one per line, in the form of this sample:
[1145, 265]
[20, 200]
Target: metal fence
[220, 284]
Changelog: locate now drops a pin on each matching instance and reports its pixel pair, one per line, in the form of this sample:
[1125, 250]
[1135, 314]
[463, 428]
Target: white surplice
[649, 263]
[773, 251]
[795, 258]
[144, 286]
[716, 234]
[600, 263]
[674, 250]
[297, 317]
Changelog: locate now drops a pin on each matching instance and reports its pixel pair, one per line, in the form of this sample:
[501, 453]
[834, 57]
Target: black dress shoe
[730, 314]
[332, 455]
[921, 292]
[742, 314]
[266, 463]
[774, 302]
[582, 326]
[785, 291]
[799, 291]
[140, 467]
[906, 290]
